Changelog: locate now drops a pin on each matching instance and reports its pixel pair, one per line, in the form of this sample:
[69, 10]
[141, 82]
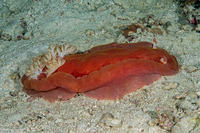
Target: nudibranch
[104, 72]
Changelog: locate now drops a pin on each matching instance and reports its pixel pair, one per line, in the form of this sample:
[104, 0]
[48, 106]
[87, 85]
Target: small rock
[109, 120]
[59, 121]
[112, 122]
[153, 122]
[190, 69]
[123, 3]
[5, 37]
[198, 93]
[171, 85]
[133, 28]
[15, 75]
[28, 35]
[14, 93]
[89, 32]
[156, 30]
[180, 96]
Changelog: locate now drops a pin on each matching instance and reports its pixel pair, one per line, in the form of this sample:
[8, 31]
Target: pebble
[6, 37]
[89, 32]
[153, 122]
[123, 3]
[198, 93]
[59, 121]
[190, 69]
[180, 96]
[170, 85]
[156, 30]
[28, 35]
[14, 93]
[14, 75]
[112, 122]
[109, 120]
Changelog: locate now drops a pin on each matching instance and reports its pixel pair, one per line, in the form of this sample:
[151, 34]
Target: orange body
[105, 72]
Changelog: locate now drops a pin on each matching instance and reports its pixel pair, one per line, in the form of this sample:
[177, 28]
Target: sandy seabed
[27, 28]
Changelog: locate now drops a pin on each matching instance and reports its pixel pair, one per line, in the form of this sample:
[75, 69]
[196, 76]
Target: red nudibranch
[104, 72]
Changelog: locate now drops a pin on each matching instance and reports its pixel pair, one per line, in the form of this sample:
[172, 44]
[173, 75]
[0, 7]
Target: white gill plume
[51, 60]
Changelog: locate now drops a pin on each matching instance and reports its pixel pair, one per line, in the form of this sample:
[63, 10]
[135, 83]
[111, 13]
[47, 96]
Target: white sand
[169, 104]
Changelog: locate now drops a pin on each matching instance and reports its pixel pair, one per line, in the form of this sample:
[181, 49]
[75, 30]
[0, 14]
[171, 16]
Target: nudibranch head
[50, 61]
